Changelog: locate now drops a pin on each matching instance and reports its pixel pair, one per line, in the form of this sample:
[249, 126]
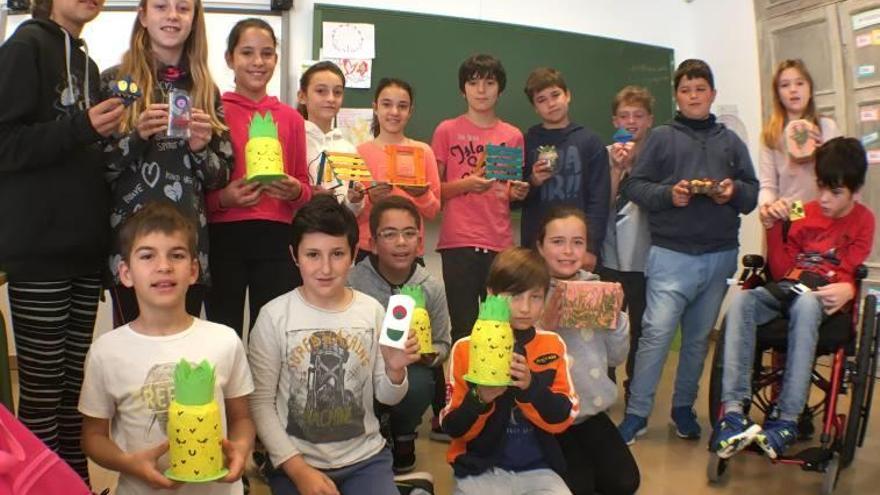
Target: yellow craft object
[491, 344]
[196, 449]
[263, 153]
[348, 167]
[195, 431]
[421, 321]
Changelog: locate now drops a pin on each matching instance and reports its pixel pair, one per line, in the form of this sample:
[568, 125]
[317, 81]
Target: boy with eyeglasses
[395, 237]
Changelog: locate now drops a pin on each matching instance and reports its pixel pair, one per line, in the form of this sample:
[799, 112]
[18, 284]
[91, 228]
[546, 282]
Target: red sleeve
[297, 166]
[862, 229]
[440, 146]
[780, 256]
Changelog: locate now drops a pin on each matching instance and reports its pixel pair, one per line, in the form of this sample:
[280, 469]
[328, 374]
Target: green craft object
[193, 385]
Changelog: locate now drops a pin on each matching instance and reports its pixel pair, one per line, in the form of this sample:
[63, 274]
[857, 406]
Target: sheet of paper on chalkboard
[358, 71]
[348, 40]
[355, 124]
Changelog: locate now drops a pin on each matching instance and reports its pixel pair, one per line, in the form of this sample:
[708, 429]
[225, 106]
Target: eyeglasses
[391, 235]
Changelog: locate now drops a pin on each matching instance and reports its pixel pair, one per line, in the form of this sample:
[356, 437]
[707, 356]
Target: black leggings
[252, 255]
[597, 459]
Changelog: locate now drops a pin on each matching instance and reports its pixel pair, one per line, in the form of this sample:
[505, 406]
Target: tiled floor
[673, 466]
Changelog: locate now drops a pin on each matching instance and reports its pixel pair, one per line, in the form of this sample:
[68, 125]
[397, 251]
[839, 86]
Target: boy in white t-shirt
[128, 383]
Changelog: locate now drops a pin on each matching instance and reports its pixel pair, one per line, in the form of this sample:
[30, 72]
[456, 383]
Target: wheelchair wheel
[715, 374]
[832, 473]
[858, 409]
[716, 468]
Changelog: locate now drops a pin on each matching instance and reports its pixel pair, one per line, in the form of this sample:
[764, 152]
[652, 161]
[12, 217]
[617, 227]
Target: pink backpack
[28, 467]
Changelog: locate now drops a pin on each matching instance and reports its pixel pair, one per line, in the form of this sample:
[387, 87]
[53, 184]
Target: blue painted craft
[622, 136]
[504, 162]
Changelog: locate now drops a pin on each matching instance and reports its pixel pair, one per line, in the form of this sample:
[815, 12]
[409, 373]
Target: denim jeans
[751, 308]
[687, 290]
[372, 476]
[407, 414]
[497, 481]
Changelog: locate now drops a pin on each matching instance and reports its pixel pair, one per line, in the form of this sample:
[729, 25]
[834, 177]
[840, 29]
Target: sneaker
[631, 427]
[733, 433]
[403, 450]
[777, 435]
[437, 434]
[684, 419]
[418, 483]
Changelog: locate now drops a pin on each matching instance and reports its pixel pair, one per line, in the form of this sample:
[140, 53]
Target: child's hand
[725, 192]
[355, 193]
[518, 190]
[240, 194]
[379, 192]
[681, 194]
[200, 130]
[236, 458]
[286, 189]
[415, 191]
[477, 183]
[106, 116]
[310, 481]
[153, 120]
[519, 371]
[541, 171]
[396, 360]
[142, 464]
[835, 296]
[489, 393]
[621, 155]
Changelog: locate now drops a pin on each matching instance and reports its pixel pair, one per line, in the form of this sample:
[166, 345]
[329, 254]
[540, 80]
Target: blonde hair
[636, 96]
[773, 128]
[138, 63]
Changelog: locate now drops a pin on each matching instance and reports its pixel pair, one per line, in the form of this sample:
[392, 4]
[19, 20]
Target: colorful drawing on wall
[406, 165]
[584, 305]
[348, 167]
[503, 162]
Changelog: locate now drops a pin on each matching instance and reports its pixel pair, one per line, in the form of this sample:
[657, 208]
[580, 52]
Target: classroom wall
[723, 33]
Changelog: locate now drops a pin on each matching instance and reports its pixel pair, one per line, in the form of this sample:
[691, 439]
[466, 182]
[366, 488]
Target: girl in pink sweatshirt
[249, 221]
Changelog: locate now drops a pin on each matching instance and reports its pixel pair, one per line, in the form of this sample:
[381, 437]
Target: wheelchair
[852, 372]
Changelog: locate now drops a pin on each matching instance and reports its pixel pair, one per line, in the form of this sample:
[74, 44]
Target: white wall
[722, 33]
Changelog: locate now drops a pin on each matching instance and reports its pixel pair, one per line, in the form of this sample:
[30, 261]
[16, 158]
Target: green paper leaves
[193, 385]
[415, 292]
[495, 308]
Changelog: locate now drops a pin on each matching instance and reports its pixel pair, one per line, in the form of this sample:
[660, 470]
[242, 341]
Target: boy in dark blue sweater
[695, 178]
[579, 177]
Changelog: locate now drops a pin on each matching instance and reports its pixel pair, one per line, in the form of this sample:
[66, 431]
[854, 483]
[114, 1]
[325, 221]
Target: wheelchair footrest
[812, 458]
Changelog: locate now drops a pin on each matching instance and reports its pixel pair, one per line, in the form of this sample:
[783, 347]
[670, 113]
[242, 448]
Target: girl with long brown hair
[168, 52]
[784, 179]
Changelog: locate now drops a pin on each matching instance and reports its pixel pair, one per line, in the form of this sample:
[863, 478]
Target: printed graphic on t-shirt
[157, 394]
[564, 185]
[329, 370]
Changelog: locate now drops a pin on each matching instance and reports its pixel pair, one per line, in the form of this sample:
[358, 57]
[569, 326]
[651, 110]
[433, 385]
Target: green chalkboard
[426, 51]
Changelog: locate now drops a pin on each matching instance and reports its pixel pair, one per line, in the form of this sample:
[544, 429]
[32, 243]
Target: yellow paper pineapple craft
[263, 150]
[491, 344]
[421, 322]
[195, 433]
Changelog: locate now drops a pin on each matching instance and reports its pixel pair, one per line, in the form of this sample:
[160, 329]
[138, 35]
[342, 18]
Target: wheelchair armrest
[861, 273]
[753, 261]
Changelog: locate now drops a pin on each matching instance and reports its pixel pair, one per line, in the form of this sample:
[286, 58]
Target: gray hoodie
[590, 353]
[365, 278]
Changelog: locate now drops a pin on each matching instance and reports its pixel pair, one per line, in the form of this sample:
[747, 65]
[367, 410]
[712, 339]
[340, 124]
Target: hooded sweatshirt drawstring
[68, 97]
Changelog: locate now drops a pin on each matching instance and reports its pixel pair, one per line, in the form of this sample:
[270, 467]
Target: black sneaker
[404, 452]
[419, 483]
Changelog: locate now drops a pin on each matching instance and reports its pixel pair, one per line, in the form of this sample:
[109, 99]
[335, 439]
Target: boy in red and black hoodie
[502, 437]
[813, 267]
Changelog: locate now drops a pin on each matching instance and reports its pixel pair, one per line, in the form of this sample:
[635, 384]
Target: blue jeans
[751, 308]
[372, 476]
[407, 414]
[682, 289]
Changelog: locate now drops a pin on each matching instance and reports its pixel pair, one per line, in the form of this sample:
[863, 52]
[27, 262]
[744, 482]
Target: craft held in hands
[504, 162]
[586, 304]
[406, 165]
[798, 141]
[263, 156]
[491, 344]
[398, 317]
[346, 167]
[126, 89]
